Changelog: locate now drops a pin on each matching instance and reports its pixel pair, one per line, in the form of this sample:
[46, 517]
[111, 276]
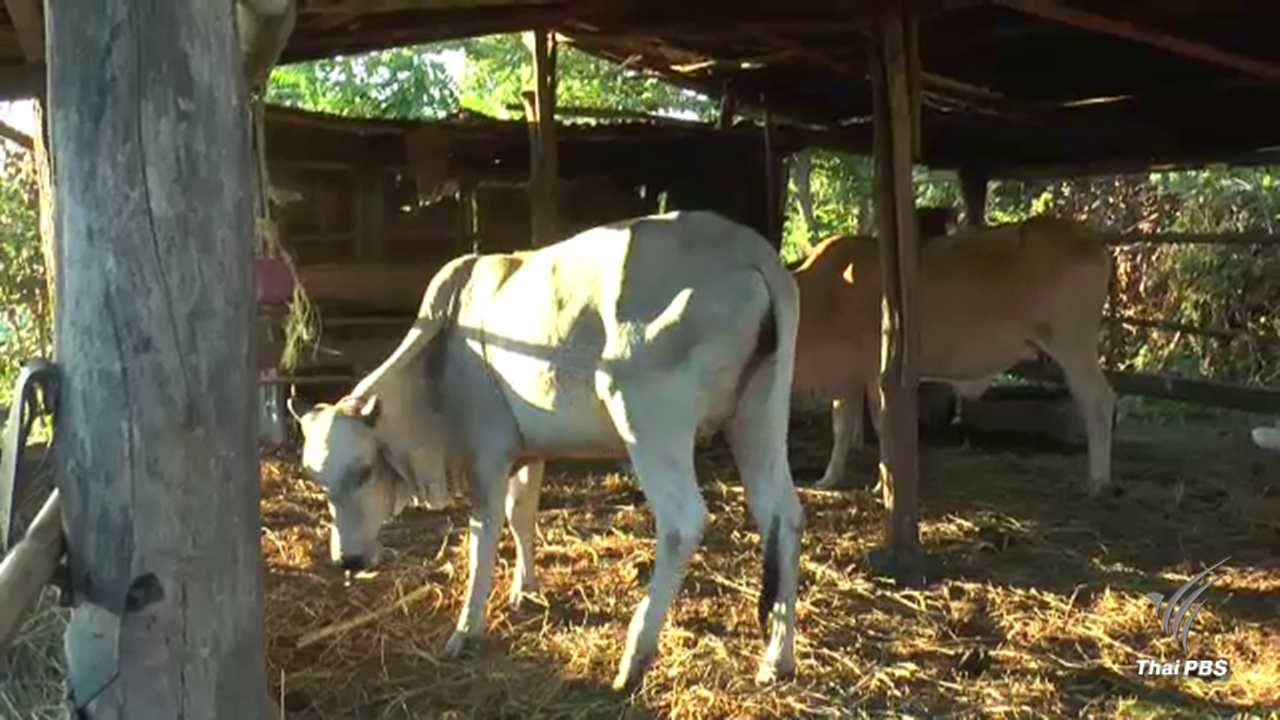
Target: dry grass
[31, 685]
[1034, 605]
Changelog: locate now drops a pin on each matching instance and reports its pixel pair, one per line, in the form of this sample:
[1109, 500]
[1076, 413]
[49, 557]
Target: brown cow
[989, 297]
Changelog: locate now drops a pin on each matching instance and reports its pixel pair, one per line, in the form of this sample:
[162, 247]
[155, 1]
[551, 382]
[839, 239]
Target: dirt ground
[1033, 607]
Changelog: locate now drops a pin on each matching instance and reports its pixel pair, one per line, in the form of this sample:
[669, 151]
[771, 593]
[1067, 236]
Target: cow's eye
[363, 475]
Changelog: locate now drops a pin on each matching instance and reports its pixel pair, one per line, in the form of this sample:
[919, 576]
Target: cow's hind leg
[523, 490]
[657, 424]
[1097, 402]
[874, 409]
[846, 433]
[757, 435]
[486, 523]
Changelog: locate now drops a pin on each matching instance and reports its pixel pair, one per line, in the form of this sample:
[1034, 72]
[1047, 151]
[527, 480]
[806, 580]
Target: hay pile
[31, 686]
[1035, 605]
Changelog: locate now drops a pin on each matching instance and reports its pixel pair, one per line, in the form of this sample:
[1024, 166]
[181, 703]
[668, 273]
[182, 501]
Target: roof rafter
[1057, 12]
[28, 24]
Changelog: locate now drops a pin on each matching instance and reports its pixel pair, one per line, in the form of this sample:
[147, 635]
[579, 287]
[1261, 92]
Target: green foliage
[1230, 288]
[842, 187]
[401, 83]
[25, 316]
[497, 68]
[415, 82]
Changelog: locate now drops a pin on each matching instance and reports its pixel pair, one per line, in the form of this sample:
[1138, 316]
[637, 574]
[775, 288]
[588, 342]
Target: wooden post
[803, 168]
[973, 188]
[158, 464]
[772, 183]
[895, 212]
[728, 108]
[466, 216]
[544, 169]
[911, 46]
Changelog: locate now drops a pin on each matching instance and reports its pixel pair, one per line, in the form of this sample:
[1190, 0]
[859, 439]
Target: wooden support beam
[466, 241]
[369, 285]
[1197, 392]
[28, 567]
[544, 170]
[772, 182]
[27, 17]
[264, 27]
[973, 188]
[330, 7]
[802, 168]
[1167, 387]
[728, 108]
[1057, 12]
[567, 111]
[16, 136]
[899, 382]
[915, 82]
[156, 458]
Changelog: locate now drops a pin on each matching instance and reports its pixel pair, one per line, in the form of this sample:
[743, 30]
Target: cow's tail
[769, 380]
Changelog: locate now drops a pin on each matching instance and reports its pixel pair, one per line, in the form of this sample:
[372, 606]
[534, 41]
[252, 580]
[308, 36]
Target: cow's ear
[298, 408]
[370, 411]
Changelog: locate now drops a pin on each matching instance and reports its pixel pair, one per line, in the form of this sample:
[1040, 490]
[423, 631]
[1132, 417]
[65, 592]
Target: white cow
[989, 297]
[624, 341]
[1267, 438]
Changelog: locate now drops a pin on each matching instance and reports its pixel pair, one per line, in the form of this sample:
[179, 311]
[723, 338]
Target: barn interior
[372, 208]
[1037, 605]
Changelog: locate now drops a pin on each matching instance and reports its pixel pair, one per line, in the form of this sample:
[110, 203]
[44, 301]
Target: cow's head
[345, 451]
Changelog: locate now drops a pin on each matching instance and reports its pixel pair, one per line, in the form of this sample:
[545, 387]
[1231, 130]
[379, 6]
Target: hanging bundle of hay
[302, 322]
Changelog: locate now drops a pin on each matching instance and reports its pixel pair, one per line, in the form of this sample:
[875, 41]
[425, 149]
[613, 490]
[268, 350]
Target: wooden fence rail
[1192, 238]
[1167, 387]
[1220, 333]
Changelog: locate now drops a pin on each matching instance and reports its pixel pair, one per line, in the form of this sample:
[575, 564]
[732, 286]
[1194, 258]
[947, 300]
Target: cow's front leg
[486, 524]
[522, 512]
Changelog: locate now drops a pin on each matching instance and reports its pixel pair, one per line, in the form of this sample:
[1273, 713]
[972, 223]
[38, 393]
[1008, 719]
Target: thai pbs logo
[1175, 627]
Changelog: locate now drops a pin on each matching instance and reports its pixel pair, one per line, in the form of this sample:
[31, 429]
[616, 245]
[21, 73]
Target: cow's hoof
[826, 483]
[773, 673]
[631, 673]
[459, 644]
[518, 592]
[516, 599]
